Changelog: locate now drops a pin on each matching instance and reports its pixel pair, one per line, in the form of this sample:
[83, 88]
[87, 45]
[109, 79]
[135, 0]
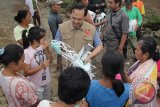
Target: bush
[67, 3]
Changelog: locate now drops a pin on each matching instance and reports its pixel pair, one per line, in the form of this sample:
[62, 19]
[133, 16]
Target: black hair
[11, 53]
[129, 1]
[35, 33]
[118, 1]
[112, 64]
[21, 15]
[79, 6]
[149, 44]
[73, 85]
[78, 1]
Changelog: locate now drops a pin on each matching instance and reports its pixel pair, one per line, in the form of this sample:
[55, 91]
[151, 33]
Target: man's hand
[136, 27]
[120, 50]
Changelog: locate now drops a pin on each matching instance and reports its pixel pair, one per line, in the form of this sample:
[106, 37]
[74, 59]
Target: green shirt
[133, 14]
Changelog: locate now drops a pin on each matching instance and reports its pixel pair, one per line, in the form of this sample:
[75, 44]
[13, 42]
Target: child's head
[36, 35]
[112, 64]
[12, 56]
[73, 85]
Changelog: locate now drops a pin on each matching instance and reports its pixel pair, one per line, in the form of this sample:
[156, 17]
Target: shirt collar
[53, 12]
[117, 13]
[72, 28]
[130, 9]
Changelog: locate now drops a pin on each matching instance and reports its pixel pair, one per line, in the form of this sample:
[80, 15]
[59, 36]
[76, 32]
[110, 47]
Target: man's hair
[118, 1]
[79, 6]
[73, 85]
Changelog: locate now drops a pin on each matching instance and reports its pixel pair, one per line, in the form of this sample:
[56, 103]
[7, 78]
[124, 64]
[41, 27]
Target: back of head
[11, 53]
[79, 6]
[21, 15]
[112, 64]
[35, 33]
[149, 44]
[73, 85]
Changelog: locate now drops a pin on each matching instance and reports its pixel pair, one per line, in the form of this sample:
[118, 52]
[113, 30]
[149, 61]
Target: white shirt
[29, 3]
[18, 31]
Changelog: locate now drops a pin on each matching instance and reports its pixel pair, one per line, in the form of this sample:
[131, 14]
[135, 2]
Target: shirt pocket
[67, 38]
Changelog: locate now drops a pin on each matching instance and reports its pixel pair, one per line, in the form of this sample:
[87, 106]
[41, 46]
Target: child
[37, 60]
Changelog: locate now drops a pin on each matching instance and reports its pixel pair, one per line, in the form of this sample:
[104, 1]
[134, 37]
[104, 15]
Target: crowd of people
[32, 55]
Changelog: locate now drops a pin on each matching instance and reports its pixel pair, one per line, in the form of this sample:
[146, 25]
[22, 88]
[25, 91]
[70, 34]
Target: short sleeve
[27, 58]
[125, 23]
[25, 94]
[58, 35]
[17, 34]
[97, 40]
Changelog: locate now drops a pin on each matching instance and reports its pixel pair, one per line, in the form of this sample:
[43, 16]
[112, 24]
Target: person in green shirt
[135, 21]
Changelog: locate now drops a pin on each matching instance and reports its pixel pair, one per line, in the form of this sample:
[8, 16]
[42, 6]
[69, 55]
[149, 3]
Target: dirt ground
[9, 8]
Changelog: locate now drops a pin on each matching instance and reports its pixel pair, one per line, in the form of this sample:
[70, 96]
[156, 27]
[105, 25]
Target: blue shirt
[100, 96]
[97, 41]
[54, 19]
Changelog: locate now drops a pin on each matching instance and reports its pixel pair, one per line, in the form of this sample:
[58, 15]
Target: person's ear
[23, 19]
[146, 55]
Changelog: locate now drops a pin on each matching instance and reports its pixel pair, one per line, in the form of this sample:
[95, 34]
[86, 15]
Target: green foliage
[152, 20]
[152, 16]
[67, 3]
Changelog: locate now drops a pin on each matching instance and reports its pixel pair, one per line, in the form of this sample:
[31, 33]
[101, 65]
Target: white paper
[132, 25]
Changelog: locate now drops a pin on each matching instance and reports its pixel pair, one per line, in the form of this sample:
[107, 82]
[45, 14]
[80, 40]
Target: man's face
[56, 7]
[77, 18]
[128, 5]
[112, 5]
